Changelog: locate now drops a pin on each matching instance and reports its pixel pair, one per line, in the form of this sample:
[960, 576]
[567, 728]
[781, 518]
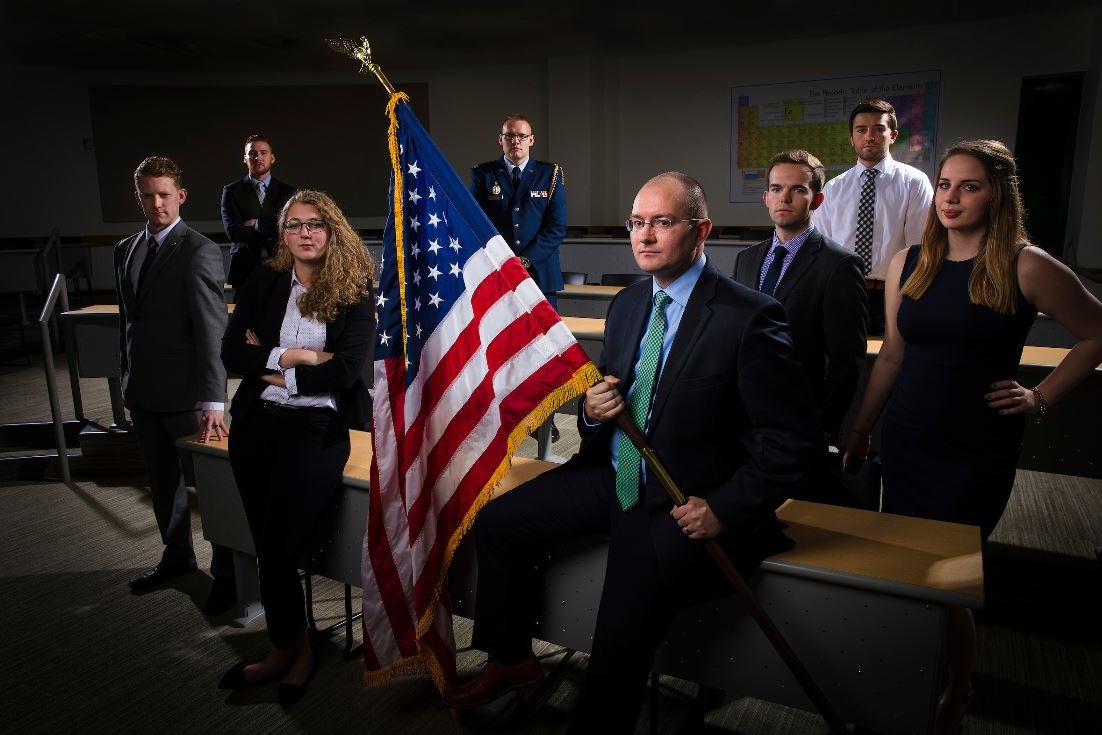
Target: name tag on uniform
[538, 194]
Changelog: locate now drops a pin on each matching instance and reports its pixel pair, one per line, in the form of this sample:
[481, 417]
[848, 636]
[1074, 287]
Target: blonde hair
[346, 275]
[994, 279]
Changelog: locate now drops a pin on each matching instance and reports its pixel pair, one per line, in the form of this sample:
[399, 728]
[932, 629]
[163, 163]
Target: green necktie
[627, 465]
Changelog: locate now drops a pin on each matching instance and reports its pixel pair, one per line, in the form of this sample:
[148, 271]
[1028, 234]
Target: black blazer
[251, 245]
[823, 293]
[260, 307]
[732, 419]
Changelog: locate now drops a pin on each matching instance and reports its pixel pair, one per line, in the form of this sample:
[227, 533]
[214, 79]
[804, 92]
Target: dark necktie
[516, 183]
[863, 242]
[150, 253]
[627, 463]
[769, 284]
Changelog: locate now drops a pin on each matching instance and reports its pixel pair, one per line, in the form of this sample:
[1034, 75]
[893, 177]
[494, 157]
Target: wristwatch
[526, 263]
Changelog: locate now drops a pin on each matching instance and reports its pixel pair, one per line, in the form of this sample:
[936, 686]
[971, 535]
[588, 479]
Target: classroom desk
[586, 300]
[93, 336]
[1032, 355]
[861, 596]
[585, 328]
[589, 291]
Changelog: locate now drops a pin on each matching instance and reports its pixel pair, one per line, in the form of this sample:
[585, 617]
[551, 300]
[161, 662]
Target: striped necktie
[627, 465]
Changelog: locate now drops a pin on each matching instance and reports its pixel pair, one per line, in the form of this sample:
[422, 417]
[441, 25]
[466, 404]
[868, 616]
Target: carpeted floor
[81, 653]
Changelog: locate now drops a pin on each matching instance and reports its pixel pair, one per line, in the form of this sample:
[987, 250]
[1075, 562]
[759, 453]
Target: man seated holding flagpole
[707, 369]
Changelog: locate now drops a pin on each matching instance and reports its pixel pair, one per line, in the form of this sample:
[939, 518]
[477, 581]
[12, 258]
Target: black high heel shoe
[235, 677]
[288, 695]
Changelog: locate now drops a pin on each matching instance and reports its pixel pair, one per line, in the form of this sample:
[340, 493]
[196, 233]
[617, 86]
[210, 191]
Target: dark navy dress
[947, 455]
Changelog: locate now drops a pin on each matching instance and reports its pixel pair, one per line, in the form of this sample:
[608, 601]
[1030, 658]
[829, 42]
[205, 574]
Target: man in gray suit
[819, 283]
[172, 315]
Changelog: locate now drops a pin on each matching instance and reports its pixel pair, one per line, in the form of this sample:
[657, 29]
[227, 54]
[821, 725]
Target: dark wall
[328, 137]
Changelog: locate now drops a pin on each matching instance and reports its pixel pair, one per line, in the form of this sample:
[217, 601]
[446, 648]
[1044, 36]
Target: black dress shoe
[223, 596]
[288, 695]
[494, 681]
[158, 575]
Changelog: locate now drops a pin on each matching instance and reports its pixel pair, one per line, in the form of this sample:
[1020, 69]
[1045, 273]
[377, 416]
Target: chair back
[622, 279]
[574, 278]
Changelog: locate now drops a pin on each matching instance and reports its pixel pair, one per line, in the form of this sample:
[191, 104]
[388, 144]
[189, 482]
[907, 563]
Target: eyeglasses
[661, 224]
[516, 136]
[312, 225]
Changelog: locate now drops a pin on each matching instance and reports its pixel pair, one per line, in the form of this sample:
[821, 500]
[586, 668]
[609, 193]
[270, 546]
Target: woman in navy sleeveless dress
[946, 454]
[959, 307]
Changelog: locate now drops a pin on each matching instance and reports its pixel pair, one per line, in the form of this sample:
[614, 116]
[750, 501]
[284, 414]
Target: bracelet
[1042, 404]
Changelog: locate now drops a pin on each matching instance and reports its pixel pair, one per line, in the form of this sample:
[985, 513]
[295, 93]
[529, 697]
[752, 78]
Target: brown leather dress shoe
[494, 681]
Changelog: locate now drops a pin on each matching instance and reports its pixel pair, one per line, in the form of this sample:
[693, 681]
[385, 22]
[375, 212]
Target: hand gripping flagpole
[719, 556]
[361, 51]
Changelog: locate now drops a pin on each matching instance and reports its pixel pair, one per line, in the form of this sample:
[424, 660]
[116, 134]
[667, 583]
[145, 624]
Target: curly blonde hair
[994, 280]
[348, 272]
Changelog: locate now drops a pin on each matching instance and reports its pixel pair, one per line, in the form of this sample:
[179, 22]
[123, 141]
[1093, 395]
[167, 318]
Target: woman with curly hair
[299, 337]
[959, 307]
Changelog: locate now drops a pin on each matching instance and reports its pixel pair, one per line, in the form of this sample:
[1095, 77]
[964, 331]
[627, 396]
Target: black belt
[274, 407]
[873, 284]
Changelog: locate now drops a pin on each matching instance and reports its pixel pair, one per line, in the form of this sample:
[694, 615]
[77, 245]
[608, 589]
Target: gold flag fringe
[579, 382]
[399, 211]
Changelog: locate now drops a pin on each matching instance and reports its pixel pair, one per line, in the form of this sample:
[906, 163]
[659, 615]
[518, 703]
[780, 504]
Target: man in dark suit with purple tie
[821, 287]
[818, 282]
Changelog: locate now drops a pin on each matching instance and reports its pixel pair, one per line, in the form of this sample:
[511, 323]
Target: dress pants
[157, 434]
[288, 466]
[638, 603]
[876, 311]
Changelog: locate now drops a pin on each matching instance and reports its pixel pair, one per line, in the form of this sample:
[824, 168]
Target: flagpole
[361, 52]
[719, 556]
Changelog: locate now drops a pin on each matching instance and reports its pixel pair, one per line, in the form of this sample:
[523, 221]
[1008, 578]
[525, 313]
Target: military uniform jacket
[532, 219]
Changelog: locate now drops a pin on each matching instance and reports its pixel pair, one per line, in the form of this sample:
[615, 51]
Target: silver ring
[685, 529]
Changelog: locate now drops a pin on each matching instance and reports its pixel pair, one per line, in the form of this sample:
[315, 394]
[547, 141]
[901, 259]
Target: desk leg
[118, 415]
[248, 589]
[543, 440]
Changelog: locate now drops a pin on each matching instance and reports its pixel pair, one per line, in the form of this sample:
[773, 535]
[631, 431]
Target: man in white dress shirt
[879, 206]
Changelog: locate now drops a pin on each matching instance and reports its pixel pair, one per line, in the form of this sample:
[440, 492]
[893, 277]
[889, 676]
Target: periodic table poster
[769, 118]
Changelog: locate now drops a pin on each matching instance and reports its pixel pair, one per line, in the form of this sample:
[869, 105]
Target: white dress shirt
[903, 196]
[297, 331]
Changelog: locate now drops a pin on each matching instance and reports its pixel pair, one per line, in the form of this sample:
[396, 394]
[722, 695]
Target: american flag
[469, 360]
